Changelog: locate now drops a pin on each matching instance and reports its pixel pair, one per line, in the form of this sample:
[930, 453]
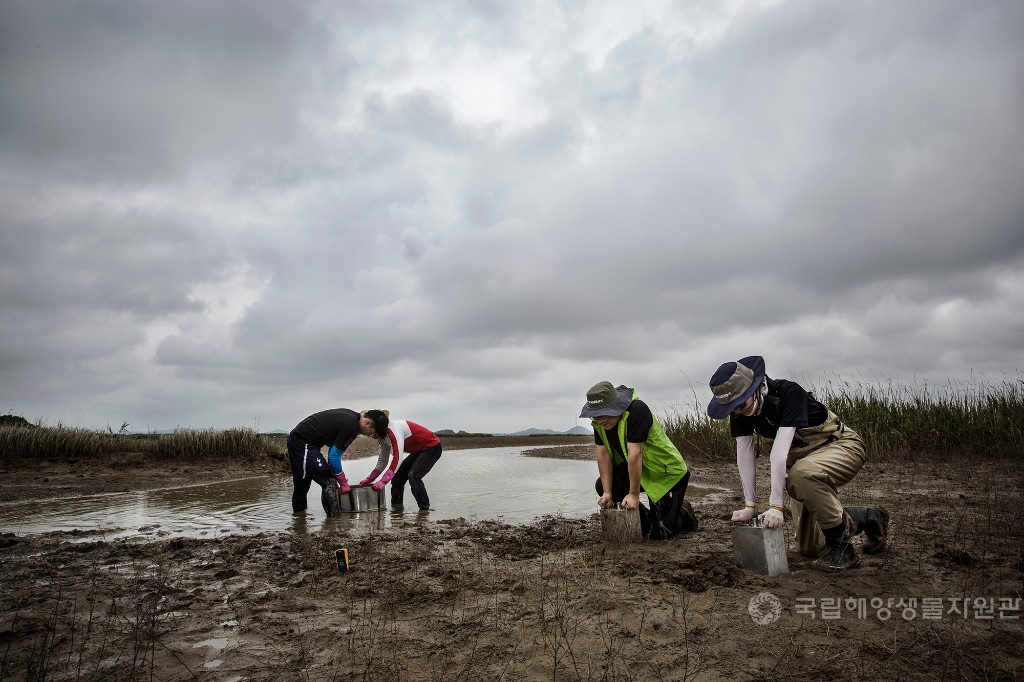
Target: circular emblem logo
[764, 608]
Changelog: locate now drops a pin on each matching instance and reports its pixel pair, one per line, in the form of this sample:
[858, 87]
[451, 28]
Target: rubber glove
[743, 515]
[388, 475]
[772, 518]
[342, 480]
[371, 478]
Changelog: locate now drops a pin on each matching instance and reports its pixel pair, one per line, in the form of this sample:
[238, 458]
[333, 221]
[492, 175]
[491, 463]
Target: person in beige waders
[813, 455]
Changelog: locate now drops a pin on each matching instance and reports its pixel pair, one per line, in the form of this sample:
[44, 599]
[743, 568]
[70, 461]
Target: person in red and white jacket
[424, 450]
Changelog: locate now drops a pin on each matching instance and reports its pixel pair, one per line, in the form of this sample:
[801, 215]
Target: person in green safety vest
[633, 455]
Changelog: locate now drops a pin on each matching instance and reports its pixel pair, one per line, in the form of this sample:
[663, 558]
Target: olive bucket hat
[733, 383]
[604, 400]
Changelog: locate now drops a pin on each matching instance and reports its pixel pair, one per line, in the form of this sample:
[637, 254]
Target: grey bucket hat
[605, 400]
[733, 383]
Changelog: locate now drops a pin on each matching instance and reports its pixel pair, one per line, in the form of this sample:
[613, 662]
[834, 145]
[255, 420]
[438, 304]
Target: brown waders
[833, 455]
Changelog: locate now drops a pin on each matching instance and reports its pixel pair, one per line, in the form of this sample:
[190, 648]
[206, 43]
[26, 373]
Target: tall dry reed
[981, 418]
[43, 442]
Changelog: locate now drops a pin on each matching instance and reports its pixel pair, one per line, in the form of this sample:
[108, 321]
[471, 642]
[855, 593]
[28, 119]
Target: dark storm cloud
[219, 212]
[130, 261]
[138, 91]
[866, 134]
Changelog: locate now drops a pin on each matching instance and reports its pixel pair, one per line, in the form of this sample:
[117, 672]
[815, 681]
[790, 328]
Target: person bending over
[336, 428]
[423, 448]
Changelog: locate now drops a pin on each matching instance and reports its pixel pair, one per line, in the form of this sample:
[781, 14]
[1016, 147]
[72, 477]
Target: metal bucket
[621, 525]
[363, 499]
[760, 549]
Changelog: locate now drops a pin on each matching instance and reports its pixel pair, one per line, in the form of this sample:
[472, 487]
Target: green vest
[663, 466]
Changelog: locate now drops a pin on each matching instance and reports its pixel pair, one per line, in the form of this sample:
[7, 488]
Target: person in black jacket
[336, 428]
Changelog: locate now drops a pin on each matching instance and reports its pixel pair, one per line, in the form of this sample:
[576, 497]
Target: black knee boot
[874, 523]
[329, 496]
[839, 552]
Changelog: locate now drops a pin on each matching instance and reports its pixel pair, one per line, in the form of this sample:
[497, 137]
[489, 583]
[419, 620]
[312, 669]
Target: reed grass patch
[61, 442]
[696, 434]
[982, 417]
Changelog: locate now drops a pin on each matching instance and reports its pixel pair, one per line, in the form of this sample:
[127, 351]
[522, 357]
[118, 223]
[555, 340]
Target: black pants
[307, 465]
[413, 468]
[667, 517]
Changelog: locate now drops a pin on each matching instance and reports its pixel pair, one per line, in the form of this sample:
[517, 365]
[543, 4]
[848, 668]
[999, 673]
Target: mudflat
[455, 600]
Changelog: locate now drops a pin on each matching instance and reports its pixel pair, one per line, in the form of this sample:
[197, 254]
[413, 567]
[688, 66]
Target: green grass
[696, 434]
[43, 442]
[979, 418]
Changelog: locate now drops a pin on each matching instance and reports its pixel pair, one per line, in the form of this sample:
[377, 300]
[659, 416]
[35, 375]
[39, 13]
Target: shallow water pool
[488, 483]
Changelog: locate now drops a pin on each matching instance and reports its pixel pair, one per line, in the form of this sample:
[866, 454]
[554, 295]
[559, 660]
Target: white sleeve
[383, 453]
[780, 451]
[399, 428]
[747, 468]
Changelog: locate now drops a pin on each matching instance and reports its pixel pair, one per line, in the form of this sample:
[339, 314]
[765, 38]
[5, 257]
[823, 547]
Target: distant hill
[574, 431]
[450, 432]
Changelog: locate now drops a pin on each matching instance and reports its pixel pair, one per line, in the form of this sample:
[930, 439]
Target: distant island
[574, 431]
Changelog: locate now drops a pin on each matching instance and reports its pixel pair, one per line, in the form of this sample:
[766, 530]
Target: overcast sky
[238, 213]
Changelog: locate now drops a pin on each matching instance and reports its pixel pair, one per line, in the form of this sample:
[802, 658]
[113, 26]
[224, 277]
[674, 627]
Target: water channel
[475, 484]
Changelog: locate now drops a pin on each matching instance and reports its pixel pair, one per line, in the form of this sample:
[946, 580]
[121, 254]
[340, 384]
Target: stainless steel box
[363, 499]
[760, 549]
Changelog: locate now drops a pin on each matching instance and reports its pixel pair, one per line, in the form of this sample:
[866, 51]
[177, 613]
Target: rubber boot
[839, 551]
[874, 523]
[687, 517]
[329, 498]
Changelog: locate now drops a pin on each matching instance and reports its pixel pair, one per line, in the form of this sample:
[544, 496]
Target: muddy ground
[452, 600]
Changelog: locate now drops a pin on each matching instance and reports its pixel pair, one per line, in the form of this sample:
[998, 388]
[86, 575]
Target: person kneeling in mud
[633, 454]
[813, 455]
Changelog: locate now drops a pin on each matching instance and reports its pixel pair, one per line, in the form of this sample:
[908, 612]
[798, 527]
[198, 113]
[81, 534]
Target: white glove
[743, 515]
[772, 518]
